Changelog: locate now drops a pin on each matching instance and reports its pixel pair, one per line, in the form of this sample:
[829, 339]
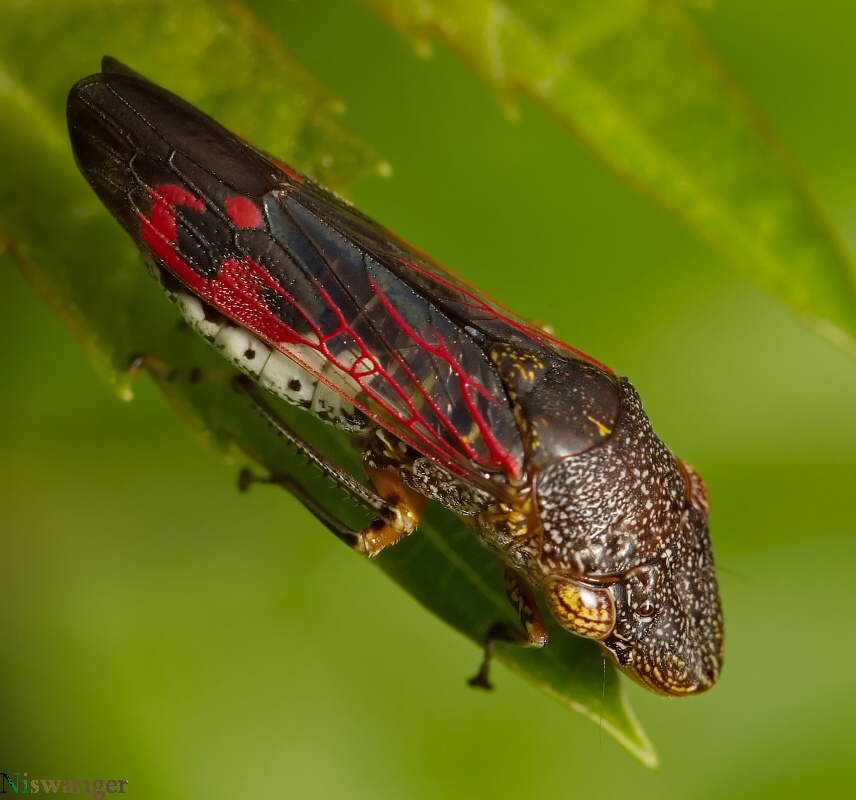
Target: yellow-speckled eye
[583, 610]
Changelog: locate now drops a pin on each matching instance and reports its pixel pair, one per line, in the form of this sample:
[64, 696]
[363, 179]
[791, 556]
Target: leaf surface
[88, 271]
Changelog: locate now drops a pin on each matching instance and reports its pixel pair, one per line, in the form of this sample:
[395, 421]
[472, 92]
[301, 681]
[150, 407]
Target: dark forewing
[404, 340]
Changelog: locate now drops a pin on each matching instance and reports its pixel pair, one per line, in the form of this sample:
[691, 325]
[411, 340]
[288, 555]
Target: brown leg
[534, 633]
[397, 520]
[397, 507]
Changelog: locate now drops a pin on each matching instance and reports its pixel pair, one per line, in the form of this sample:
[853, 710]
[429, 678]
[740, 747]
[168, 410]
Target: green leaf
[75, 256]
[637, 83]
[81, 263]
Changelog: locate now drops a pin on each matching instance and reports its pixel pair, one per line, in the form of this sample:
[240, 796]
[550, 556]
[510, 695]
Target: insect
[545, 453]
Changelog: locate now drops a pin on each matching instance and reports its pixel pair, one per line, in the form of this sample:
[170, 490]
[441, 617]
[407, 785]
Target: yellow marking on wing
[473, 435]
[602, 429]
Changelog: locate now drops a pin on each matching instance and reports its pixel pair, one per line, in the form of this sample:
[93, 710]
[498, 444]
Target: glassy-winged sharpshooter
[543, 451]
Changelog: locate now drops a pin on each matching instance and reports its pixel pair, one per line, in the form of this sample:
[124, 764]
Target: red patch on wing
[292, 173]
[243, 212]
[241, 290]
[239, 283]
[164, 200]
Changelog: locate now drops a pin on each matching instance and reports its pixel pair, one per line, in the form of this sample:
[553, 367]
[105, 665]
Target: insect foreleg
[534, 633]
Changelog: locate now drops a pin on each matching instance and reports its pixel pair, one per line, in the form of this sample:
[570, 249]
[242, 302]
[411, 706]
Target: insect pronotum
[543, 451]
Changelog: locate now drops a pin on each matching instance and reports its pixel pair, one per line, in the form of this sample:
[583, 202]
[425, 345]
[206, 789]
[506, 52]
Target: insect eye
[581, 609]
[646, 609]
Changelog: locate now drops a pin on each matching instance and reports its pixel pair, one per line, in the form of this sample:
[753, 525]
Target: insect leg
[247, 478]
[397, 507]
[170, 373]
[534, 633]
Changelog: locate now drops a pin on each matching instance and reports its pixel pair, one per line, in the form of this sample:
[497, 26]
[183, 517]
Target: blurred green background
[158, 627]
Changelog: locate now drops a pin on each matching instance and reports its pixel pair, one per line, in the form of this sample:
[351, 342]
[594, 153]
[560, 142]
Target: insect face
[626, 556]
